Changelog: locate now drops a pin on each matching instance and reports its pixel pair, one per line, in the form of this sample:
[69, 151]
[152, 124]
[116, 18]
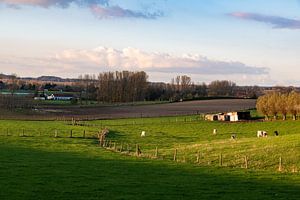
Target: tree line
[126, 86]
[274, 104]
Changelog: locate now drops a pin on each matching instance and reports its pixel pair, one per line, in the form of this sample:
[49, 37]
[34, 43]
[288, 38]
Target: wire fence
[205, 158]
[196, 156]
[171, 120]
[55, 133]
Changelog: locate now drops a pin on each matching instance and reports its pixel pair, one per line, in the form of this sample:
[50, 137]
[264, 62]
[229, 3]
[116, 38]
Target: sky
[250, 42]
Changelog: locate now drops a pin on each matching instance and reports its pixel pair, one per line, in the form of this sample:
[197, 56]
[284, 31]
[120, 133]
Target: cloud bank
[276, 21]
[160, 66]
[110, 59]
[100, 8]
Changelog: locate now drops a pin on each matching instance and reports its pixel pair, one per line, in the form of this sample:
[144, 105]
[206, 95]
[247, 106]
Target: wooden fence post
[83, 134]
[23, 133]
[221, 160]
[198, 157]
[71, 133]
[115, 147]
[156, 152]
[175, 155]
[121, 148]
[55, 134]
[137, 150]
[246, 162]
[280, 164]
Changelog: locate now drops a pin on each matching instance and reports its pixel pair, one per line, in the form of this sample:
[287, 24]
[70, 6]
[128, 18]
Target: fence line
[56, 133]
[176, 155]
[222, 160]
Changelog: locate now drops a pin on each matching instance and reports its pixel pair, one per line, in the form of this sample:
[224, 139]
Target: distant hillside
[53, 79]
[4, 76]
[49, 78]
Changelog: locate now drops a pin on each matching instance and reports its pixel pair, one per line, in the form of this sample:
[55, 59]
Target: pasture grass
[64, 168]
[40, 166]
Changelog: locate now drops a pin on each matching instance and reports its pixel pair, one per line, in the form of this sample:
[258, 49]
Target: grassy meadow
[39, 165]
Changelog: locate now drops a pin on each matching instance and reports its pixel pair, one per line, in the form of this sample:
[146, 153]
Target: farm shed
[229, 116]
[64, 97]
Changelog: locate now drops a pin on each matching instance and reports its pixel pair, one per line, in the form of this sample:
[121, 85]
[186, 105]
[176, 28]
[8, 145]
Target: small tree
[293, 104]
[283, 105]
[273, 101]
[262, 106]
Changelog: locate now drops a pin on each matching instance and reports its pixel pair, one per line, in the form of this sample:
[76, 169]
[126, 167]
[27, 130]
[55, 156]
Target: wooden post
[121, 148]
[280, 164]
[23, 133]
[138, 150]
[221, 160]
[198, 157]
[55, 133]
[246, 162]
[156, 152]
[7, 132]
[175, 155]
[83, 134]
[115, 147]
[71, 133]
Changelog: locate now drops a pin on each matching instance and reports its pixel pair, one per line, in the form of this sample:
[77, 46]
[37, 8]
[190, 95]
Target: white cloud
[135, 59]
[71, 63]
[100, 8]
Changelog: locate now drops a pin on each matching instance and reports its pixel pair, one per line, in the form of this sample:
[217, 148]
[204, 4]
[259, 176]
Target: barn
[229, 116]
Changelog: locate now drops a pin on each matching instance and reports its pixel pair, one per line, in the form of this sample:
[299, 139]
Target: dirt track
[180, 108]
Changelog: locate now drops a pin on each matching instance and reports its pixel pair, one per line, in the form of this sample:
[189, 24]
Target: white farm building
[229, 116]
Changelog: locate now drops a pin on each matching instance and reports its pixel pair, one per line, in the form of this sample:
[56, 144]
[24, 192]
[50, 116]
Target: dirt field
[171, 109]
[130, 111]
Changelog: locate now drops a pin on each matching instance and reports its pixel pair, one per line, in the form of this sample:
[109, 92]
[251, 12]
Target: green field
[37, 165]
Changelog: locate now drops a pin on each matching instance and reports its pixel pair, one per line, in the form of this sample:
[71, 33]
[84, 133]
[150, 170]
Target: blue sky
[246, 41]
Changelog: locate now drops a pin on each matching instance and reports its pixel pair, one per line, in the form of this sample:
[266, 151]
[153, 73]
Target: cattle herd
[259, 134]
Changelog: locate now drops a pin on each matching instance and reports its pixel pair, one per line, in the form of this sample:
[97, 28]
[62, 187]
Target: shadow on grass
[34, 174]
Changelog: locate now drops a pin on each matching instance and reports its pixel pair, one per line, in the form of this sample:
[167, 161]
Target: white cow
[262, 134]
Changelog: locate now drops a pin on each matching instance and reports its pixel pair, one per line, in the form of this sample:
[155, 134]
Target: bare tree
[221, 88]
[283, 105]
[262, 106]
[293, 104]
